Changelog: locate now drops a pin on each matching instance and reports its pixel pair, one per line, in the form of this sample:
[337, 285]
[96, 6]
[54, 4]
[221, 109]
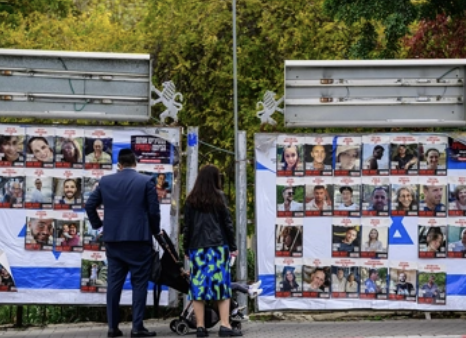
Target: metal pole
[241, 217]
[192, 164]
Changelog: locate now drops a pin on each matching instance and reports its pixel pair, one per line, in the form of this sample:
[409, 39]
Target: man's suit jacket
[131, 207]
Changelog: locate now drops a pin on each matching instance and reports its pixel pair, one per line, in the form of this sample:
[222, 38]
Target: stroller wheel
[173, 324]
[182, 328]
[236, 325]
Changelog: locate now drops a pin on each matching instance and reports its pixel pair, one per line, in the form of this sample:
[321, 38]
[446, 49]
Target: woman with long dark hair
[208, 242]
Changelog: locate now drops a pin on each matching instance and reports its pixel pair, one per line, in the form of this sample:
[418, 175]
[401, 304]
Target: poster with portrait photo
[375, 155]
[456, 196]
[39, 146]
[431, 281]
[38, 192]
[374, 237]
[98, 149]
[318, 155]
[432, 234]
[290, 155]
[317, 278]
[347, 196]
[151, 149]
[375, 196]
[404, 155]
[405, 195]
[348, 156]
[40, 225]
[94, 271]
[67, 189]
[433, 155]
[290, 197]
[7, 281]
[68, 234]
[91, 181]
[346, 237]
[92, 238]
[289, 237]
[374, 279]
[12, 188]
[69, 148]
[162, 175]
[319, 196]
[403, 278]
[345, 278]
[288, 277]
[456, 238]
[12, 146]
[433, 196]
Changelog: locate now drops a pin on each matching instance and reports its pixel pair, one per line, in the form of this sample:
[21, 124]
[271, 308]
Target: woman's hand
[234, 253]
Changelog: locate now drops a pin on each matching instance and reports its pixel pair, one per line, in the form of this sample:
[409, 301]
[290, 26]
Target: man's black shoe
[114, 333]
[143, 333]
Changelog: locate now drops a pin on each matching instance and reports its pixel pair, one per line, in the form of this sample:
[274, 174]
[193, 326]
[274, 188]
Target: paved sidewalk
[438, 328]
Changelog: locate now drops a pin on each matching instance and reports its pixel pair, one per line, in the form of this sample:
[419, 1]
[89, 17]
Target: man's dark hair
[346, 187]
[319, 187]
[377, 147]
[371, 271]
[126, 158]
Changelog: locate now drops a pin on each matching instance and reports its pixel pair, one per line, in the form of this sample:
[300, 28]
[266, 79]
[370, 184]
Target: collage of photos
[52, 172]
[362, 182]
[348, 278]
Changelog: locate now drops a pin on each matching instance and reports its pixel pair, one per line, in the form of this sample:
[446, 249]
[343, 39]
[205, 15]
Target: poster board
[379, 215]
[49, 254]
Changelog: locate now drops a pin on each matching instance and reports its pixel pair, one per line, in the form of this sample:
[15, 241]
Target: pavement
[438, 328]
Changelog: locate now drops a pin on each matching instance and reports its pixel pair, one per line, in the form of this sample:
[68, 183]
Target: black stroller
[174, 276]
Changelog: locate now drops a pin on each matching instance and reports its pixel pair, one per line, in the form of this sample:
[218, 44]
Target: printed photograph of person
[402, 284]
[289, 240]
[432, 288]
[375, 159]
[433, 199]
[346, 241]
[433, 160]
[290, 160]
[11, 151]
[39, 235]
[404, 200]
[38, 192]
[288, 280]
[374, 283]
[375, 238]
[316, 281]
[68, 236]
[376, 199]
[432, 239]
[290, 201]
[348, 160]
[345, 282]
[7, 284]
[404, 160]
[456, 238]
[69, 153]
[457, 198]
[92, 239]
[98, 153]
[347, 200]
[94, 271]
[319, 198]
[67, 193]
[163, 185]
[39, 152]
[90, 184]
[318, 159]
[13, 193]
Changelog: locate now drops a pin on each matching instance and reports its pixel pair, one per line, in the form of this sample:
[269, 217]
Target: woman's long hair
[206, 194]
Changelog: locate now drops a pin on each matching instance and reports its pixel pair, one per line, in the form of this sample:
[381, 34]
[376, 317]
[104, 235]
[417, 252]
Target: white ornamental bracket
[269, 106]
[168, 97]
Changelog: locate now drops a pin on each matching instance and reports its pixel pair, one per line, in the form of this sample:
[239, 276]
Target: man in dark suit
[132, 216]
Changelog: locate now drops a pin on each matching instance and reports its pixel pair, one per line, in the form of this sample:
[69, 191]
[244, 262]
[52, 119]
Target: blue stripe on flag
[54, 278]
